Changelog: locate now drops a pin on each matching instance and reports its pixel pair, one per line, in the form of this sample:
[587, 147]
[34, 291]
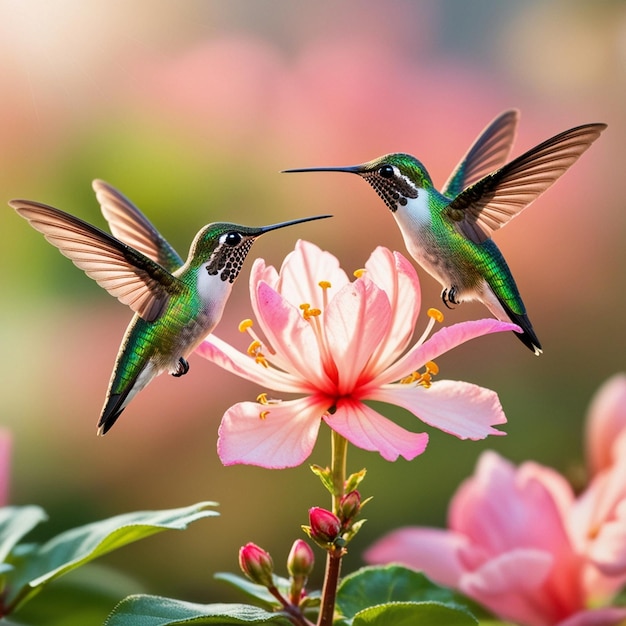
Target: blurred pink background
[192, 110]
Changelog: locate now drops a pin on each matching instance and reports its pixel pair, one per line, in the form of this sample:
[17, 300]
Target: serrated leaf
[15, 522]
[145, 610]
[378, 585]
[78, 546]
[411, 613]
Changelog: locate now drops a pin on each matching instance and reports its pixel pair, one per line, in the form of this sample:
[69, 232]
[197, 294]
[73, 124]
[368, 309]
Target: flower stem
[335, 553]
[338, 464]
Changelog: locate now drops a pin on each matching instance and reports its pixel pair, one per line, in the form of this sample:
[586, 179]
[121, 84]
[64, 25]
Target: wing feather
[129, 275]
[489, 152]
[497, 198]
[131, 226]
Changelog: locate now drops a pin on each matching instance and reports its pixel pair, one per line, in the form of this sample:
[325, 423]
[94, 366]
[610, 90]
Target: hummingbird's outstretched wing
[497, 198]
[489, 152]
[131, 226]
[124, 272]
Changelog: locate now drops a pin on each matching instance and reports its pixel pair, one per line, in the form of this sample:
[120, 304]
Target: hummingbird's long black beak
[351, 169]
[266, 229]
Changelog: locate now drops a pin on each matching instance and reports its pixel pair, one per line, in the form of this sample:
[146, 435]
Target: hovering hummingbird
[176, 304]
[449, 232]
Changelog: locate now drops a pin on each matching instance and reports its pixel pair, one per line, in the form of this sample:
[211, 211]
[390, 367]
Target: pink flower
[606, 423]
[338, 343]
[5, 458]
[520, 544]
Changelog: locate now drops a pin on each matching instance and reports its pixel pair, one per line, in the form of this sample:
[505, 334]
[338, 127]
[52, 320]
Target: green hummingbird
[176, 304]
[448, 232]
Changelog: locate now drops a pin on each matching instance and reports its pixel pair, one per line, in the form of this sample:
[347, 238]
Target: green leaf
[260, 593]
[326, 476]
[78, 546]
[354, 480]
[376, 585]
[144, 610]
[411, 613]
[15, 522]
[254, 591]
[84, 596]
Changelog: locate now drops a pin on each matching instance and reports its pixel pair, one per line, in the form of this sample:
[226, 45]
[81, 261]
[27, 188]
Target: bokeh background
[192, 109]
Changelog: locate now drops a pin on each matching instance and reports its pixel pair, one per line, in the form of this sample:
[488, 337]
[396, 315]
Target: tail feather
[113, 408]
[527, 336]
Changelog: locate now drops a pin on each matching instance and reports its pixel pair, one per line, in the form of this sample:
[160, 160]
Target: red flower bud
[325, 526]
[349, 506]
[301, 559]
[256, 564]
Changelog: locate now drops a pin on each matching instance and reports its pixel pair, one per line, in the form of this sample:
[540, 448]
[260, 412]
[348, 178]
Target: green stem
[338, 466]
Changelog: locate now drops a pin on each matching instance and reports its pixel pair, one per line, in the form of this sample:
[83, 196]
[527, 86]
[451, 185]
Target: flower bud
[325, 526]
[349, 506]
[256, 564]
[301, 559]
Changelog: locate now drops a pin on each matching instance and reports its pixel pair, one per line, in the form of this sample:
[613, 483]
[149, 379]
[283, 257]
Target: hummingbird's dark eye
[386, 171]
[232, 239]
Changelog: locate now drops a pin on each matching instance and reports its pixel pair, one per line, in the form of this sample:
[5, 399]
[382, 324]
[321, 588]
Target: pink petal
[497, 508]
[303, 269]
[392, 273]
[605, 421]
[225, 356]
[292, 337]
[5, 465]
[433, 551]
[510, 586]
[283, 438]
[439, 343]
[459, 408]
[609, 616]
[367, 429]
[355, 322]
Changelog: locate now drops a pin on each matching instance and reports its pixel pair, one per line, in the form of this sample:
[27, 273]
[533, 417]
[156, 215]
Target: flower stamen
[325, 285]
[254, 350]
[359, 273]
[422, 379]
[263, 414]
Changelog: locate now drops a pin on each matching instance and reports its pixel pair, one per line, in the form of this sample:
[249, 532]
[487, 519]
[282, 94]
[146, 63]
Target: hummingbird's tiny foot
[182, 368]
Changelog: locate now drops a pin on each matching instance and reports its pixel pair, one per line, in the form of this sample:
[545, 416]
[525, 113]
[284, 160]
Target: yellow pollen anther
[432, 368]
[324, 284]
[359, 273]
[262, 398]
[436, 314]
[244, 325]
[424, 380]
[311, 313]
[254, 347]
[263, 414]
[259, 358]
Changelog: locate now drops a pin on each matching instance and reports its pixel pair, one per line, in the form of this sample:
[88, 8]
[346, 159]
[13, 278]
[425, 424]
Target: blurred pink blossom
[606, 423]
[337, 343]
[5, 458]
[521, 544]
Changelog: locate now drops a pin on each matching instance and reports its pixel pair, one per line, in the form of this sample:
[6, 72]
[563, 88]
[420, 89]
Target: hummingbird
[176, 303]
[448, 232]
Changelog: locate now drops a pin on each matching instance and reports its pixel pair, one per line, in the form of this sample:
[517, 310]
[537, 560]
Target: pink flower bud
[256, 564]
[325, 526]
[349, 506]
[301, 559]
